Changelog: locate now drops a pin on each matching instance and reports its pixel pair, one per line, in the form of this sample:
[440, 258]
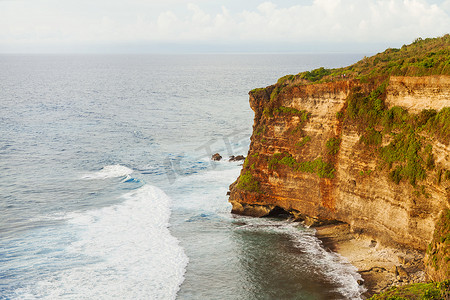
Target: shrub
[439, 125]
[276, 91]
[315, 75]
[285, 78]
[429, 161]
[268, 112]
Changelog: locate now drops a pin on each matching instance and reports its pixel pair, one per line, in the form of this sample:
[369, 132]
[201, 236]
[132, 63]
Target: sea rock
[216, 157]
[237, 158]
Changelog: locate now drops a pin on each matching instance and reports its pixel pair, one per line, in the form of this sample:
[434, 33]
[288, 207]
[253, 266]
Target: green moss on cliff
[322, 168]
[249, 183]
[438, 124]
[418, 291]
[303, 114]
[404, 154]
[333, 145]
[305, 140]
[317, 166]
[408, 156]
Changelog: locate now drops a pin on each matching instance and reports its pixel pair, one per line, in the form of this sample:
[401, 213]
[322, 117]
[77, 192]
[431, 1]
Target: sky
[232, 26]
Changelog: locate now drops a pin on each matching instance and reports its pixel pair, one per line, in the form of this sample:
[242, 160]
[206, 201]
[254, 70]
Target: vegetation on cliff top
[408, 155]
[423, 57]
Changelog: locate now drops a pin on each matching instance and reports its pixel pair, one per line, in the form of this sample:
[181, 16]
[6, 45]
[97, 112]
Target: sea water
[107, 190]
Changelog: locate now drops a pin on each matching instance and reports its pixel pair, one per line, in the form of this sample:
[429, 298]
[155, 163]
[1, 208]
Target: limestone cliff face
[417, 93]
[307, 160]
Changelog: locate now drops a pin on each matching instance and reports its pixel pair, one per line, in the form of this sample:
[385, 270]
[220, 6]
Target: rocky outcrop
[237, 158]
[216, 157]
[307, 158]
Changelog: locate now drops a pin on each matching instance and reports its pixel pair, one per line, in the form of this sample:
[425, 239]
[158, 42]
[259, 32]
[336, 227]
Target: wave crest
[109, 172]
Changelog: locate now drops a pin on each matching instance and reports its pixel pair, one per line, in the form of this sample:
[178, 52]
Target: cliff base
[381, 267]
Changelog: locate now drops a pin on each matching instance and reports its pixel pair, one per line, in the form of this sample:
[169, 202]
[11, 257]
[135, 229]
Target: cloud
[177, 21]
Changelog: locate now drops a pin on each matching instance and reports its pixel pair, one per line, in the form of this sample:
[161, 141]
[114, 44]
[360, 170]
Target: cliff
[371, 152]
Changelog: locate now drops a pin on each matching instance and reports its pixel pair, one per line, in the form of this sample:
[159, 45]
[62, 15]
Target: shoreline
[380, 267]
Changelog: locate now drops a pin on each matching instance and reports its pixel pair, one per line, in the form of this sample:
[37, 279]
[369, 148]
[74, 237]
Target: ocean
[107, 190]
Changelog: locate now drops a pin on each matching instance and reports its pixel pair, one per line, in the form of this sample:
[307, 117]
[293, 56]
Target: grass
[430, 291]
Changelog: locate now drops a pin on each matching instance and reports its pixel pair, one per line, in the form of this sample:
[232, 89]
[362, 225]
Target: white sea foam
[212, 199]
[109, 172]
[213, 185]
[332, 265]
[132, 253]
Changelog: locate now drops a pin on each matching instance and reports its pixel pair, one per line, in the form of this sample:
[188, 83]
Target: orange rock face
[305, 159]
